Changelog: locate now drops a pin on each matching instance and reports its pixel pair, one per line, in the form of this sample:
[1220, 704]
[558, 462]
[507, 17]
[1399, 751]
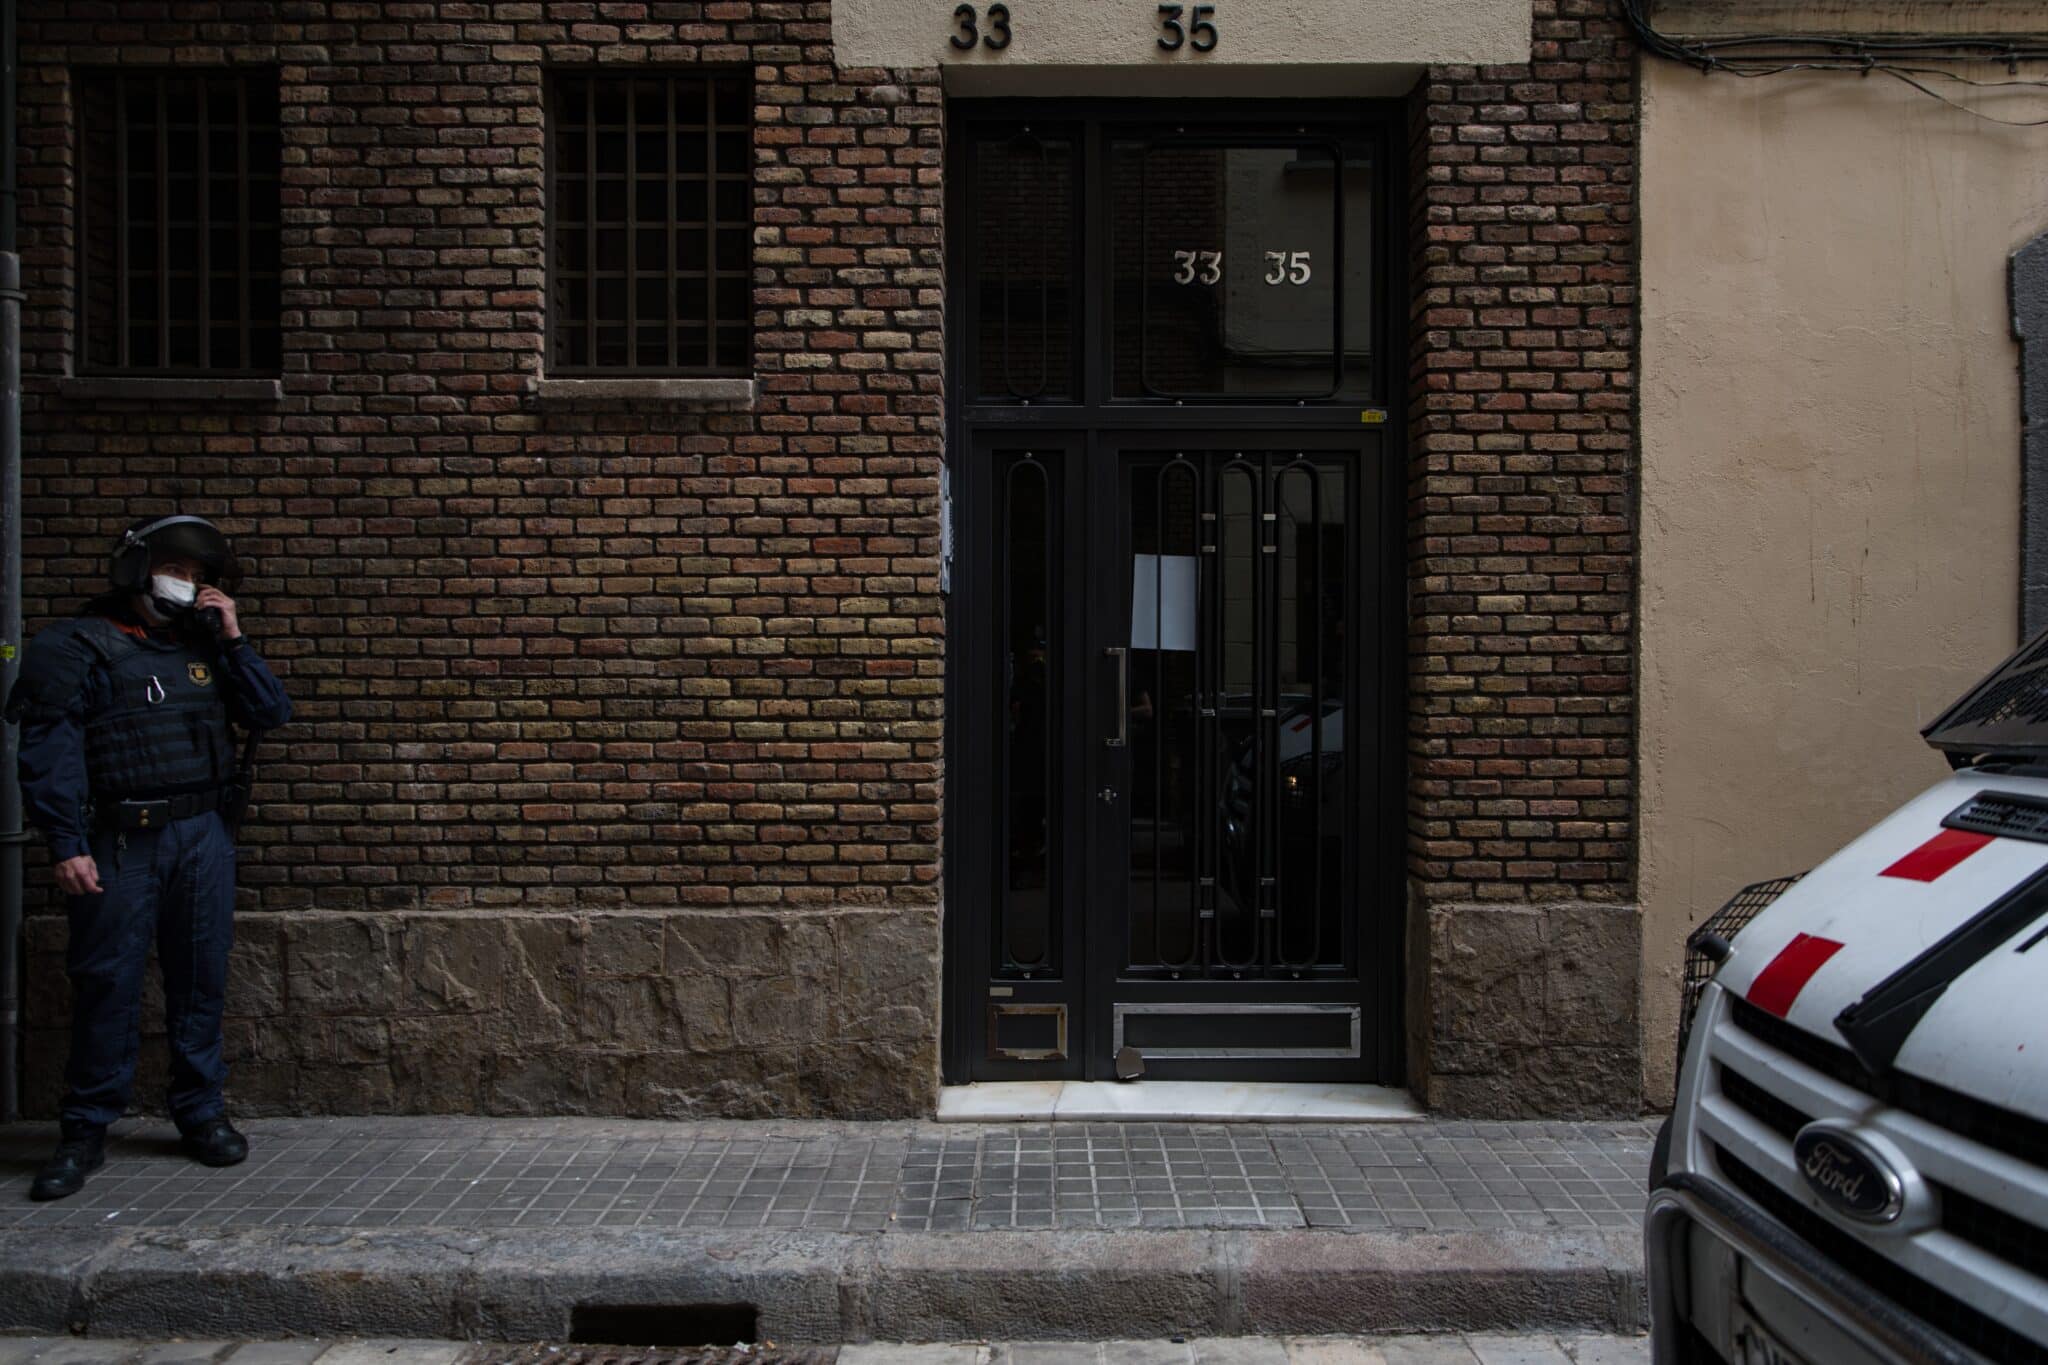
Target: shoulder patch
[200, 674]
[54, 669]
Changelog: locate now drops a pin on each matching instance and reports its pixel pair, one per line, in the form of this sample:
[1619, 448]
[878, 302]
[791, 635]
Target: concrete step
[809, 1286]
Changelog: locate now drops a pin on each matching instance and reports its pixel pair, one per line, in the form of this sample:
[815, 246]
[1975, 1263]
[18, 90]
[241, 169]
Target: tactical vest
[164, 728]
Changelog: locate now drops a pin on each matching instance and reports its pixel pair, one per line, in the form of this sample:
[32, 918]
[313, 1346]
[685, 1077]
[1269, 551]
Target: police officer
[125, 753]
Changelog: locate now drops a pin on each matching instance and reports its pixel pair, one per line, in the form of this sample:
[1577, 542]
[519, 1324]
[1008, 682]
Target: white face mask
[174, 593]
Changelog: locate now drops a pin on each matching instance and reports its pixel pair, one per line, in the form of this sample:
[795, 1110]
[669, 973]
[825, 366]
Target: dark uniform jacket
[110, 709]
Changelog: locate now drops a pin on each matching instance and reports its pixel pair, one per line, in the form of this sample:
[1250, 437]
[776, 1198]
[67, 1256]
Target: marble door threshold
[1174, 1102]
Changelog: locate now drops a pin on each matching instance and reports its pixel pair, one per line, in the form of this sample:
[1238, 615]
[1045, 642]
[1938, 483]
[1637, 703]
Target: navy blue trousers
[173, 887]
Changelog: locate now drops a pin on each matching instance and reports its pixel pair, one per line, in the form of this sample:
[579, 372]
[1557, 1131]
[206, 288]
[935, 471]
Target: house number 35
[1198, 35]
[1288, 267]
[995, 40]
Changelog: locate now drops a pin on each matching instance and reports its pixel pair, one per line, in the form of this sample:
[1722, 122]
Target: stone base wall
[657, 1014]
[1526, 1011]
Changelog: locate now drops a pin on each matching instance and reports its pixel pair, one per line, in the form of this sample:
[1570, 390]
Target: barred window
[650, 221]
[178, 176]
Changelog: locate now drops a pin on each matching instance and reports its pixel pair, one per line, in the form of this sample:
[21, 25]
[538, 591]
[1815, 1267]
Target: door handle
[1123, 693]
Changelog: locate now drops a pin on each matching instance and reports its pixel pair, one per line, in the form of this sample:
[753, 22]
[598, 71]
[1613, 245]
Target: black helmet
[196, 538]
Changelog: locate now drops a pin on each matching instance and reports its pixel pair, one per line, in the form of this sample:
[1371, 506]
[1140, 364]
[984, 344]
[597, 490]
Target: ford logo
[1848, 1174]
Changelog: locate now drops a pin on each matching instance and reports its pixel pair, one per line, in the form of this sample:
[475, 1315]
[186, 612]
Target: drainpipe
[2030, 324]
[11, 834]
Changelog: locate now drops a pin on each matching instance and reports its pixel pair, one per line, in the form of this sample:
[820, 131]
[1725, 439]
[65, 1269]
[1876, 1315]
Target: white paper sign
[1163, 601]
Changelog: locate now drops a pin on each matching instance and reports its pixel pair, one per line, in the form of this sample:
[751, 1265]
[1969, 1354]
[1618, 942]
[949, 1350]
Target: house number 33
[995, 40]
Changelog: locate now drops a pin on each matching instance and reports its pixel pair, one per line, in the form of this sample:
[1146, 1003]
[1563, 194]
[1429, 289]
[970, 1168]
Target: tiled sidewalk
[864, 1177]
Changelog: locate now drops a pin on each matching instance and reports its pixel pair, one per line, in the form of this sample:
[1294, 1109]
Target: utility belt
[154, 812]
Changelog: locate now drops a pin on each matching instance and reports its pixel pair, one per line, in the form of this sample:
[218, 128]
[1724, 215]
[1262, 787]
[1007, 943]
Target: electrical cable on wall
[1904, 58]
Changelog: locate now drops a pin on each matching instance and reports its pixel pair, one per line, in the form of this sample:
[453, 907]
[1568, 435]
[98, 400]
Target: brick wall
[615, 780]
[1523, 937]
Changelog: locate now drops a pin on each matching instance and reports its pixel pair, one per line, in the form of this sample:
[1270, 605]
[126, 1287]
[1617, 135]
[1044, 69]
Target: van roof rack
[2006, 713]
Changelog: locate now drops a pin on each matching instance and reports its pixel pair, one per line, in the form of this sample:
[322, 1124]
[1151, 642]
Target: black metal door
[1231, 888]
[1172, 787]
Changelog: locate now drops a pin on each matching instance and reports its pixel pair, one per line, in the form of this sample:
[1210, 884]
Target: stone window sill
[736, 392]
[153, 389]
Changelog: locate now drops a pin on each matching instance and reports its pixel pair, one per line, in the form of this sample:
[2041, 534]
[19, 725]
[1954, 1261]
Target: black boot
[215, 1142]
[81, 1151]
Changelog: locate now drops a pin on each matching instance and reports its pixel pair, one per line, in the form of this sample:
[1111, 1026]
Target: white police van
[1856, 1169]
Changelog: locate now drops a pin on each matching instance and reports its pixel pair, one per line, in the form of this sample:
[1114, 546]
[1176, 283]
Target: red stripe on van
[1937, 855]
[1779, 984]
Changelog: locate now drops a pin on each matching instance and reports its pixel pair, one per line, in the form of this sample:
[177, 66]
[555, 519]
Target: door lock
[1107, 796]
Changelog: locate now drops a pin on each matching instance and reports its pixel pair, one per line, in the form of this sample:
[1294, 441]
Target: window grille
[650, 220]
[179, 267]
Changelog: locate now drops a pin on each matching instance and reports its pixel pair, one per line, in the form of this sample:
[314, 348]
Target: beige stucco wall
[1830, 415]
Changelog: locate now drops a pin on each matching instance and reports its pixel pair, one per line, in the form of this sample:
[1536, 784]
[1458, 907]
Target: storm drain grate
[665, 1324]
[670, 1334]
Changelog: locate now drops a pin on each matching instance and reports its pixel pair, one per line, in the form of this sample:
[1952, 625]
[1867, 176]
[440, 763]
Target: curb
[514, 1285]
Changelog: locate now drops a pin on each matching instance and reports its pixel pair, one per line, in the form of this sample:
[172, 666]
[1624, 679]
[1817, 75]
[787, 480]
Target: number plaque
[1198, 34]
[967, 34]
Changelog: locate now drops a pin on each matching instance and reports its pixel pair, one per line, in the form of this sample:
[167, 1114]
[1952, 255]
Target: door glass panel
[1234, 266]
[1029, 924]
[1163, 697]
[1241, 809]
[1022, 199]
[1240, 814]
[1361, 295]
[1308, 755]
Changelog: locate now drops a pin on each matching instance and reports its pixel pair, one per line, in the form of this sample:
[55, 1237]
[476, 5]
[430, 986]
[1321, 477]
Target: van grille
[1760, 1104]
[1989, 1229]
[1944, 1313]
[2014, 1134]
[2008, 1238]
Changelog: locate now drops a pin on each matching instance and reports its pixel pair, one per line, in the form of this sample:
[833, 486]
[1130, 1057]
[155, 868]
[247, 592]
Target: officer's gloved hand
[79, 876]
[214, 600]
